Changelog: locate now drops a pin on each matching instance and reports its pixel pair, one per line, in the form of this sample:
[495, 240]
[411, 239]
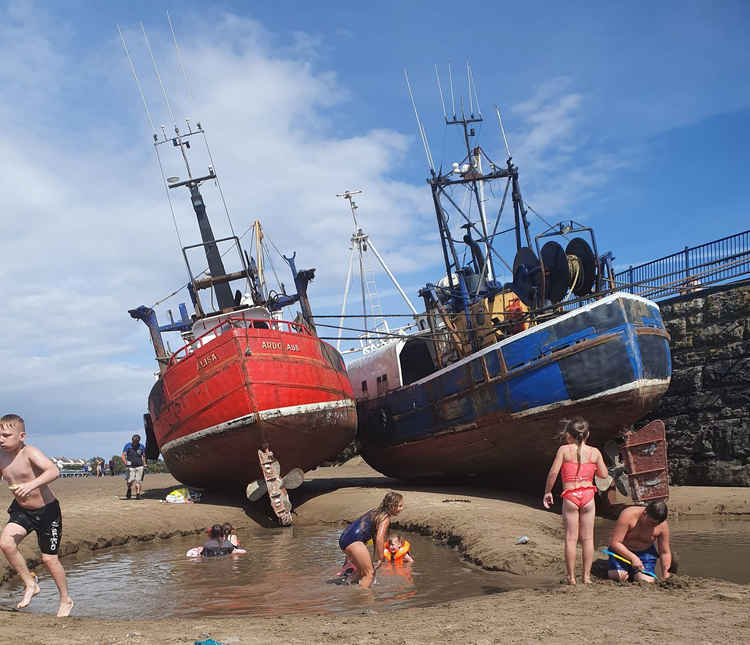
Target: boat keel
[274, 484]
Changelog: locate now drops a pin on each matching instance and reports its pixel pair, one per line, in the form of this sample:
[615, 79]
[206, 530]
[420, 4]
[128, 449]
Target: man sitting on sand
[641, 535]
[35, 508]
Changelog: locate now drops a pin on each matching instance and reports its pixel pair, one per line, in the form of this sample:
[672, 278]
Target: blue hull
[495, 414]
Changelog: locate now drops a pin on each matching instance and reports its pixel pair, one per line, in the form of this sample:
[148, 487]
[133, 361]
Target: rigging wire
[218, 183]
[541, 218]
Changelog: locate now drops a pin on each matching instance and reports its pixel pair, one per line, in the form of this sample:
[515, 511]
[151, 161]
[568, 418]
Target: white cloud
[87, 232]
[560, 164]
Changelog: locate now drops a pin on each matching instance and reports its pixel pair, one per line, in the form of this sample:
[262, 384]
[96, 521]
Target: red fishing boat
[249, 396]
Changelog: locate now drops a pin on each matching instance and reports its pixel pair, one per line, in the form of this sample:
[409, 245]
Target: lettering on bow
[207, 360]
[267, 344]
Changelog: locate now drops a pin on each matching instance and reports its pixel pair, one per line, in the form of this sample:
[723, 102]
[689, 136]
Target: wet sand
[482, 524]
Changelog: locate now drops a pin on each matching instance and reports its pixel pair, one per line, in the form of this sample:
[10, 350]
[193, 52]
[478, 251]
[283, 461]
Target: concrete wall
[707, 407]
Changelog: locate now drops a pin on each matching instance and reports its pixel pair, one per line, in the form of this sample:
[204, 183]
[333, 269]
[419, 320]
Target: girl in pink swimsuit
[577, 464]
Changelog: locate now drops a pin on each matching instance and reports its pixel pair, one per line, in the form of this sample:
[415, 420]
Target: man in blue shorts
[641, 535]
[134, 458]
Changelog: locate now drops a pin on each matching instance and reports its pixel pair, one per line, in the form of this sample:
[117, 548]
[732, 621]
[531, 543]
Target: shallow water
[284, 571]
[706, 547]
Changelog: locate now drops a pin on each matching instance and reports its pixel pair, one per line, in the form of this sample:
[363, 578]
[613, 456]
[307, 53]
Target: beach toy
[619, 557]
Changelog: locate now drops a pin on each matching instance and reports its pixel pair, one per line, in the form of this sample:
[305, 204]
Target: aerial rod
[156, 71]
[453, 99]
[473, 84]
[502, 130]
[430, 163]
[440, 89]
[137, 81]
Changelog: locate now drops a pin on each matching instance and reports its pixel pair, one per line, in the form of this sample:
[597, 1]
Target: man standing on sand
[111, 467]
[34, 508]
[134, 458]
[640, 535]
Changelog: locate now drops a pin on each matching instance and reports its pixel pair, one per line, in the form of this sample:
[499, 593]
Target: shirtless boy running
[641, 535]
[35, 508]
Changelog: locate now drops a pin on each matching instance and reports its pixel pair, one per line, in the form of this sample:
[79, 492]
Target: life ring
[196, 552]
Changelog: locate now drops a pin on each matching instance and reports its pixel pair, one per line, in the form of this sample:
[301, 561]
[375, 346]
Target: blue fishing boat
[479, 389]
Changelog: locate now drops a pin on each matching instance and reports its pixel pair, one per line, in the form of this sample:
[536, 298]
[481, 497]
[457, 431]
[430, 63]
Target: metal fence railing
[720, 261]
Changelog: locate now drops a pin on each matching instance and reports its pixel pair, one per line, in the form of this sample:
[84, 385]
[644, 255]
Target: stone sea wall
[707, 407]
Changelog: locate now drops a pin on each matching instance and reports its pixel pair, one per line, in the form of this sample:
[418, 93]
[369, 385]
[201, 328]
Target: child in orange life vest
[397, 550]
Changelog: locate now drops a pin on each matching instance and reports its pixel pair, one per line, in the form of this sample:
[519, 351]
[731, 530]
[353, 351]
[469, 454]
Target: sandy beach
[482, 524]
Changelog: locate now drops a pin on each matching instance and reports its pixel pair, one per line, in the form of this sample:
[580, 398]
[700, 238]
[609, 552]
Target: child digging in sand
[35, 508]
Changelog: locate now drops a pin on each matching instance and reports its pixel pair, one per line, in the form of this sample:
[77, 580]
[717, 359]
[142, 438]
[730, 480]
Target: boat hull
[494, 415]
[246, 389]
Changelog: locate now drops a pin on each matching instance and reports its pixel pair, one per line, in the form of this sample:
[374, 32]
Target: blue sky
[631, 118]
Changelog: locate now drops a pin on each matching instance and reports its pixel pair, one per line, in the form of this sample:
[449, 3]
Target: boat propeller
[559, 272]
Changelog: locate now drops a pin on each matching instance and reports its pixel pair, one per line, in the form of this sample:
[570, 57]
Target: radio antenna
[419, 125]
[179, 61]
[502, 130]
[158, 76]
[453, 98]
[473, 84]
[440, 89]
[137, 81]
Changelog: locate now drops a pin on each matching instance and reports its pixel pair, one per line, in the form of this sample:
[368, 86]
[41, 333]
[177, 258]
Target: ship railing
[720, 261]
[238, 321]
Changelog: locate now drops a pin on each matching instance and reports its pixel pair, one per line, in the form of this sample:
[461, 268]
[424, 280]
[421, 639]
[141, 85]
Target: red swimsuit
[572, 471]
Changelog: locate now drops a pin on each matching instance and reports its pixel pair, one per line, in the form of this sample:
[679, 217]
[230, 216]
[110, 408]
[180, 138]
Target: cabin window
[382, 383]
[364, 387]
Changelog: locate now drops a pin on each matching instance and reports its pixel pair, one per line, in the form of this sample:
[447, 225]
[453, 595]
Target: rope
[541, 218]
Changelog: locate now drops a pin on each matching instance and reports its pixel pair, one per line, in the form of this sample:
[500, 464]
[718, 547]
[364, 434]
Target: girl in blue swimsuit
[374, 526]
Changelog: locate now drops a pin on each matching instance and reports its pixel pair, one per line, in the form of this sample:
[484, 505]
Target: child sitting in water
[229, 534]
[398, 550]
[216, 544]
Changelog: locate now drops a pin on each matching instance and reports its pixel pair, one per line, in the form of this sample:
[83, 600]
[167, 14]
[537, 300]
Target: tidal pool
[705, 547]
[285, 571]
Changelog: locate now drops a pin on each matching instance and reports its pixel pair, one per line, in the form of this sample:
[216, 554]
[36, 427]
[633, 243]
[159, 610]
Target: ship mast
[215, 264]
[360, 243]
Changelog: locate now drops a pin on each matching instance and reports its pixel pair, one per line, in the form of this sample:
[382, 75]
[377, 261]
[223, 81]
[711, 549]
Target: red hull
[222, 399]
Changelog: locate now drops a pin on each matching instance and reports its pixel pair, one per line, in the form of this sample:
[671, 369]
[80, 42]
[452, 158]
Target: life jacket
[399, 555]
